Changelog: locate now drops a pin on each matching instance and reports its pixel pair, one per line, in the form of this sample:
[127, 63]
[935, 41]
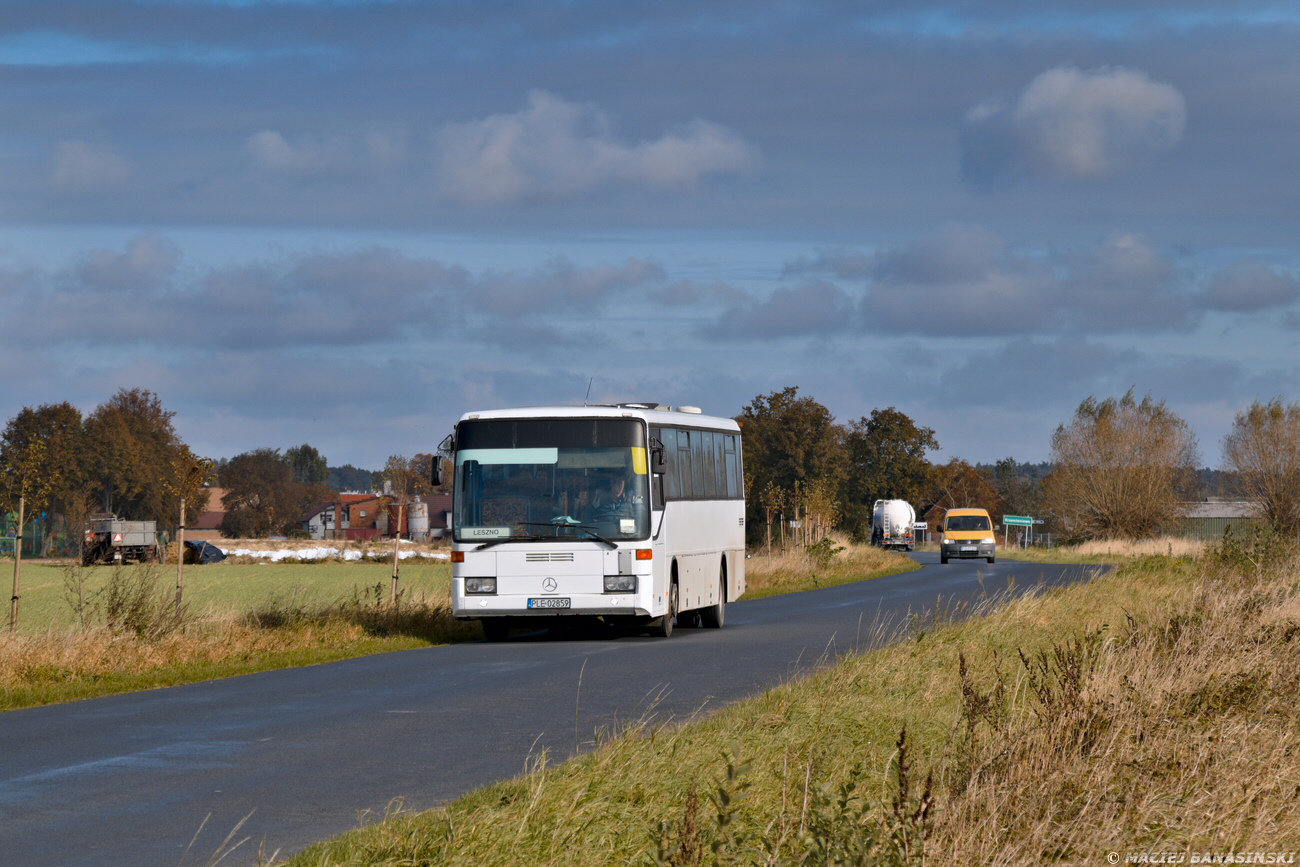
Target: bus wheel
[495, 628]
[663, 627]
[712, 617]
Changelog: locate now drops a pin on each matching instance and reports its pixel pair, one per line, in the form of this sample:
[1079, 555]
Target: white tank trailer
[891, 524]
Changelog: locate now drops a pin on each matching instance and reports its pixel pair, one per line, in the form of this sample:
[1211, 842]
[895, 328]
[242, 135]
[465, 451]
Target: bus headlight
[480, 585]
[620, 583]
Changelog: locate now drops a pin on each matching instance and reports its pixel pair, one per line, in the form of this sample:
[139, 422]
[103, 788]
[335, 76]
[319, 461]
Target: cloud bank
[553, 150]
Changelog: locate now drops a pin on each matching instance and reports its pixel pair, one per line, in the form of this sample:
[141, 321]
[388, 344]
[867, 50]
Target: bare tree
[1120, 468]
[1263, 448]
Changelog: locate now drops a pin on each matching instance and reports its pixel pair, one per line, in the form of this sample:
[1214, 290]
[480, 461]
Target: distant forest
[350, 478]
[1210, 482]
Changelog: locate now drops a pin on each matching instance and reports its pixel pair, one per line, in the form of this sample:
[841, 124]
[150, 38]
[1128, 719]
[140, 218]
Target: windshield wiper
[564, 522]
[489, 544]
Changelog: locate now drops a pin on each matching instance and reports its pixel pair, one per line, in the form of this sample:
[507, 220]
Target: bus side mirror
[446, 447]
[658, 460]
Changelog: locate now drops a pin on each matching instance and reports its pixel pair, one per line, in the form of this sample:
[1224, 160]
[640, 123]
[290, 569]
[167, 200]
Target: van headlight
[620, 583]
[480, 585]
[990, 540]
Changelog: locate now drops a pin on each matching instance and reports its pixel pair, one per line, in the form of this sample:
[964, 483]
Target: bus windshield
[549, 478]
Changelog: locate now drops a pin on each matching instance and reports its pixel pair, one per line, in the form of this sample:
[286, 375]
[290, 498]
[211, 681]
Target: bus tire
[663, 627]
[713, 616]
[495, 628]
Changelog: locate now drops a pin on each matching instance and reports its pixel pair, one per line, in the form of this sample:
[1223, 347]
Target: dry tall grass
[1175, 734]
[835, 561]
[1150, 711]
[1111, 550]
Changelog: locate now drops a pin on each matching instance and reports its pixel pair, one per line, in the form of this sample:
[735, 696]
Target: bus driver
[615, 500]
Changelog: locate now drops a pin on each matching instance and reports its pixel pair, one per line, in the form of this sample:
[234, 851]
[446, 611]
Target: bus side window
[733, 467]
[687, 477]
[672, 488]
[708, 479]
[719, 465]
[740, 468]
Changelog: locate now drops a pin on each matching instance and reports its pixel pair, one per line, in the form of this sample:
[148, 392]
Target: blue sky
[347, 223]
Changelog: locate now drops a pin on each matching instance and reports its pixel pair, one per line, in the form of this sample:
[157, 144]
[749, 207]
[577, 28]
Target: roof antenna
[588, 394]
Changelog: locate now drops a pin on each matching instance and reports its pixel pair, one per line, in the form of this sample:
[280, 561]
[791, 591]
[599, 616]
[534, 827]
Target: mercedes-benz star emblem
[549, 585]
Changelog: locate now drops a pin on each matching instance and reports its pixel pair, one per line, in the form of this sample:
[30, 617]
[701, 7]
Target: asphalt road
[130, 779]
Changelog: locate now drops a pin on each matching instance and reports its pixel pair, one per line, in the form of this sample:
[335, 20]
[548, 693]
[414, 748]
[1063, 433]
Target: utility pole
[192, 470]
[180, 557]
[397, 545]
[18, 566]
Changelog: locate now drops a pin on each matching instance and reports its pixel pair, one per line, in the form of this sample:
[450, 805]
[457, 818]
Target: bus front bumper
[473, 607]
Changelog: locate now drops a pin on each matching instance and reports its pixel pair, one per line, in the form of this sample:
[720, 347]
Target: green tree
[1120, 468]
[1021, 491]
[958, 485]
[262, 498]
[308, 465]
[350, 478]
[788, 439]
[408, 477]
[55, 431]
[131, 447]
[886, 461]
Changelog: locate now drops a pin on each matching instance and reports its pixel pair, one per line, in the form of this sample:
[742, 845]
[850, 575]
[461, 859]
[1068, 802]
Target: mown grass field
[1151, 710]
[223, 589]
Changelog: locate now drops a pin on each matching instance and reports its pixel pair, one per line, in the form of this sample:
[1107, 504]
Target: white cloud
[147, 262]
[554, 149]
[1125, 284]
[814, 309]
[963, 281]
[1249, 287]
[1073, 125]
[270, 151]
[82, 168]
[559, 285]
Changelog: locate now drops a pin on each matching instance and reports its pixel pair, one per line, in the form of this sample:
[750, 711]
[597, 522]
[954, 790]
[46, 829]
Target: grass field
[91, 631]
[227, 588]
[1149, 711]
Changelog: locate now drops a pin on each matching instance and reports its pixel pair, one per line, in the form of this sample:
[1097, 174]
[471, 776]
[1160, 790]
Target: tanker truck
[891, 524]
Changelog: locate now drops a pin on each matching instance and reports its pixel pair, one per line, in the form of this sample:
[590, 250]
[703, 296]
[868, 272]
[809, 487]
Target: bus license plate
[551, 602]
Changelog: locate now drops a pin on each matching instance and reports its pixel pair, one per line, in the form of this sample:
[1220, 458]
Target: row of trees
[801, 464]
[267, 491]
[124, 457]
[1120, 467]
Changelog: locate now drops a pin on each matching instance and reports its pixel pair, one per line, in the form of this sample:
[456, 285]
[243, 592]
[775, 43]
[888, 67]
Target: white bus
[633, 513]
